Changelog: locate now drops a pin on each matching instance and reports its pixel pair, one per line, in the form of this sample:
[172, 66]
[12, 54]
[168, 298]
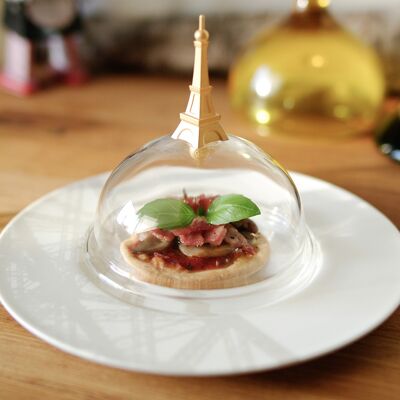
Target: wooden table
[65, 134]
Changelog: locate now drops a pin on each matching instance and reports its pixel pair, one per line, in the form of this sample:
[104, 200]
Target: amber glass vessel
[308, 76]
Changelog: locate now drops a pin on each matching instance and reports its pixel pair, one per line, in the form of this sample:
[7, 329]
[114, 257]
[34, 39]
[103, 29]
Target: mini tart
[239, 273]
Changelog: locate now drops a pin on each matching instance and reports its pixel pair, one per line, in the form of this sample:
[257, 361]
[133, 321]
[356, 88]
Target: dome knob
[201, 33]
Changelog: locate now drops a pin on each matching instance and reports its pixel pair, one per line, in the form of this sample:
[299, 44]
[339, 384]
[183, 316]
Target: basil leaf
[168, 213]
[231, 208]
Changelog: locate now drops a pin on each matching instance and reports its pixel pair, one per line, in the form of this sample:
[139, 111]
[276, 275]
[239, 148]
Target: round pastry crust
[239, 273]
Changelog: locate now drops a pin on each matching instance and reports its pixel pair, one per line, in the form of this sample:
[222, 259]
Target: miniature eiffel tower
[200, 123]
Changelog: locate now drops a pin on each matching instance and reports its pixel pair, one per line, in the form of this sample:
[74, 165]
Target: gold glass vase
[308, 76]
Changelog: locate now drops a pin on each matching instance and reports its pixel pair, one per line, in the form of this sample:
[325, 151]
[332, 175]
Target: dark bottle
[388, 137]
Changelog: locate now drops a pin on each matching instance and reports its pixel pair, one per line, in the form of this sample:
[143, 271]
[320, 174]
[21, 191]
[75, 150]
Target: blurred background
[294, 67]
[132, 34]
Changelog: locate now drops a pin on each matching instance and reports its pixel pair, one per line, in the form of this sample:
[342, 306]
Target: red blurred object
[41, 45]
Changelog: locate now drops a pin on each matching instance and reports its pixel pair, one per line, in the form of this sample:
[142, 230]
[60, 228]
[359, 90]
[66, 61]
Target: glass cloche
[200, 221]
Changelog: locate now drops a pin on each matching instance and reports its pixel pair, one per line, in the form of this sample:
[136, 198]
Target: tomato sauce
[177, 258]
[173, 258]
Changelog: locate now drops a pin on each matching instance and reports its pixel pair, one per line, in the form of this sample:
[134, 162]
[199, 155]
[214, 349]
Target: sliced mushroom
[206, 250]
[252, 238]
[146, 242]
[246, 225]
[234, 237]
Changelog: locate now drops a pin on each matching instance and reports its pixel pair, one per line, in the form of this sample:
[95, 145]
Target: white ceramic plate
[44, 288]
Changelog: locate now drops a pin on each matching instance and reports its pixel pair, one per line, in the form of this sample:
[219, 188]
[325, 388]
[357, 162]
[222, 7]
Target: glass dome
[224, 218]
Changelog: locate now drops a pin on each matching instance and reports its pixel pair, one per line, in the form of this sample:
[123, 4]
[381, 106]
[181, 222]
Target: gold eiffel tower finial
[200, 123]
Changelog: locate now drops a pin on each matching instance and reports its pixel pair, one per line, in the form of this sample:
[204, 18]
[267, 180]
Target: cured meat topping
[200, 232]
[205, 246]
[200, 203]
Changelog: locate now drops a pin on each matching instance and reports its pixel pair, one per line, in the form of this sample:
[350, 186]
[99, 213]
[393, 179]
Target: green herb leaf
[231, 208]
[168, 213]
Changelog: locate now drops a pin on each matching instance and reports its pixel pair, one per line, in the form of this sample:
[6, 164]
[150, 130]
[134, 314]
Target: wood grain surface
[65, 134]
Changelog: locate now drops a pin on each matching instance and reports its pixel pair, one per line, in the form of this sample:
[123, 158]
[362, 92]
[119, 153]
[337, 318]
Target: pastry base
[239, 273]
